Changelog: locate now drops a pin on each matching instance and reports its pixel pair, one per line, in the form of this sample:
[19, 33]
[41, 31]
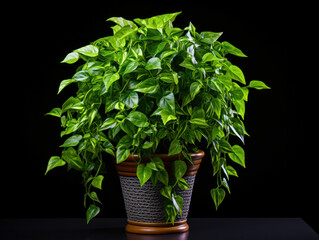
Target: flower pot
[144, 208]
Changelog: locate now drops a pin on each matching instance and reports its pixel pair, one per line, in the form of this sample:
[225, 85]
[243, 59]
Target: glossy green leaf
[65, 83]
[209, 37]
[245, 91]
[187, 156]
[258, 85]
[71, 127]
[194, 89]
[187, 63]
[56, 112]
[191, 28]
[179, 168]
[128, 127]
[109, 79]
[216, 162]
[97, 181]
[91, 212]
[92, 114]
[117, 43]
[122, 21]
[237, 92]
[240, 107]
[54, 162]
[199, 121]
[167, 54]
[89, 51]
[125, 142]
[240, 135]
[159, 163]
[215, 84]
[82, 76]
[237, 74]
[175, 147]
[72, 141]
[94, 197]
[167, 102]
[162, 176]
[182, 184]
[168, 17]
[156, 47]
[166, 192]
[170, 212]
[238, 155]
[167, 116]
[168, 77]
[218, 195]
[208, 57]
[122, 154]
[108, 123]
[232, 49]
[147, 145]
[130, 99]
[143, 173]
[153, 34]
[124, 32]
[175, 77]
[130, 67]
[72, 103]
[225, 146]
[153, 63]
[217, 106]
[71, 157]
[139, 119]
[71, 58]
[149, 86]
[231, 171]
[152, 165]
[157, 21]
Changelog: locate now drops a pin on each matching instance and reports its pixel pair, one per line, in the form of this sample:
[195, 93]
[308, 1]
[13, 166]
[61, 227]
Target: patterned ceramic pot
[144, 208]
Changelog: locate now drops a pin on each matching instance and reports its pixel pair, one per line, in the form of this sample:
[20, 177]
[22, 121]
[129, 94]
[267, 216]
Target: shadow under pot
[144, 205]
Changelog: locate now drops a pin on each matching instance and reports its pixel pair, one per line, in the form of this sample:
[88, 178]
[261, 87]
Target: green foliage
[143, 173]
[218, 195]
[91, 212]
[54, 162]
[147, 85]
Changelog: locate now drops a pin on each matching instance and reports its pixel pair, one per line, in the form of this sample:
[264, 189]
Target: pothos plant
[148, 88]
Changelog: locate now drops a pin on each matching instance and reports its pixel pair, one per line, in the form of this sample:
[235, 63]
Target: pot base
[156, 228]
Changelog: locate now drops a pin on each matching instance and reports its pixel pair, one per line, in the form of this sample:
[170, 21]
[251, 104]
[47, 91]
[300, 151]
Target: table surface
[200, 229]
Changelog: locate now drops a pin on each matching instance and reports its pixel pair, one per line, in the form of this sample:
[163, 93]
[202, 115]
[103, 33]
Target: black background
[281, 175]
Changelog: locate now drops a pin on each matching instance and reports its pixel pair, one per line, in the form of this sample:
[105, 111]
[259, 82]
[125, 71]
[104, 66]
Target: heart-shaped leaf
[92, 211]
[218, 195]
[143, 173]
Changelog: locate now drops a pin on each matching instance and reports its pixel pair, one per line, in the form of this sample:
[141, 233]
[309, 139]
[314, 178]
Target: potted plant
[146, 96]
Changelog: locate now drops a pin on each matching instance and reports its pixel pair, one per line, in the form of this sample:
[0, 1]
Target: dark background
[282, 165]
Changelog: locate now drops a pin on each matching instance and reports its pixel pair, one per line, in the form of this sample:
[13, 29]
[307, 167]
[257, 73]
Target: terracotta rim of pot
[128, 167]
[156, 228]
